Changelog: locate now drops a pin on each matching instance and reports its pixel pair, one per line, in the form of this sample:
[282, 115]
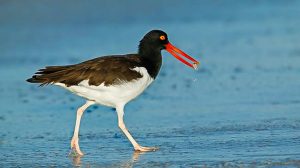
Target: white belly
[112, 95]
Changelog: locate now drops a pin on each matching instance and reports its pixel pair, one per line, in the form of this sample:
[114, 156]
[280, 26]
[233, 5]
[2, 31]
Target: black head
[155, 39]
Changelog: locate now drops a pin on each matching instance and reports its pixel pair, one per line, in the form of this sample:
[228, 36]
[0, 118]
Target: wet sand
[240, 109]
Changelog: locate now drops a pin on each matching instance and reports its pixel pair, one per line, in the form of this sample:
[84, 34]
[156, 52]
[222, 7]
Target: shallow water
[240, 109]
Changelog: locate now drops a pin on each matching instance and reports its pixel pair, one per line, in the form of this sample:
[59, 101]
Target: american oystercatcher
[113, 80]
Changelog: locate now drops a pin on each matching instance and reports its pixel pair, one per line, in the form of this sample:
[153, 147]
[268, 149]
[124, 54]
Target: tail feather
[48, 75]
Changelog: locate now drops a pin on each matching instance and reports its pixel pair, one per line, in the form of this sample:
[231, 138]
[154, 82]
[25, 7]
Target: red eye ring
[162, 37]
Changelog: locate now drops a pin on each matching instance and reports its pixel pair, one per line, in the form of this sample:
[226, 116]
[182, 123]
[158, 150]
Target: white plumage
[111, 70]
[112, 95]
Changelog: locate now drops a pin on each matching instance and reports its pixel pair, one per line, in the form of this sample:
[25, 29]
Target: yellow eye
[162, 37]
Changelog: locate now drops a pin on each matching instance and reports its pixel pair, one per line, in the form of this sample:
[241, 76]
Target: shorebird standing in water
[113, 80]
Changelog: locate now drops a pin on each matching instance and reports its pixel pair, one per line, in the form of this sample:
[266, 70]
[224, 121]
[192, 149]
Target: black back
[109, 69]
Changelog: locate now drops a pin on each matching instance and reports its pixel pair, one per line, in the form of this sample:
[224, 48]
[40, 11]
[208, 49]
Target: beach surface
[240, 109]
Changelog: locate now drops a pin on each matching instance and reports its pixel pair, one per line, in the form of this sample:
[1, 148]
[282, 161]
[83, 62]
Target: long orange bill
[175, 51]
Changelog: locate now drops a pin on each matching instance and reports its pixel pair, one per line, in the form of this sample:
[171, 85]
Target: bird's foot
[145, 149]
[74, 153]
[75, 149]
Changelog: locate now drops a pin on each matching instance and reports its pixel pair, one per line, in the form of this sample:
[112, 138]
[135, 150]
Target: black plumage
[118, 71]
[110, 70]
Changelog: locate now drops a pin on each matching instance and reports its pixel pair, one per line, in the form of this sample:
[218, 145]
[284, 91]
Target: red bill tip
[175, 51]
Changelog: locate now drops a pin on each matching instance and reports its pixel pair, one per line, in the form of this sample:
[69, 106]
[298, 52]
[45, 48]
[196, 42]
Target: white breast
[112, 95]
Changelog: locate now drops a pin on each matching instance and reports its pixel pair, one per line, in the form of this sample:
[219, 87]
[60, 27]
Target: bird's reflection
[136, 155]
[132, 161]
[76, 160]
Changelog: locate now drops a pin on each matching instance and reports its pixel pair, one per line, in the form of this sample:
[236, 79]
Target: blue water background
[241, 108]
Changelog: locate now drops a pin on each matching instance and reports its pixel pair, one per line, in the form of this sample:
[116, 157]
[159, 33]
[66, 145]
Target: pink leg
[136, 146]
[75, 139]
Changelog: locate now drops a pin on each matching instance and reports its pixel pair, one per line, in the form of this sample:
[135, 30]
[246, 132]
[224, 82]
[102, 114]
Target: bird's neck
[151, 59]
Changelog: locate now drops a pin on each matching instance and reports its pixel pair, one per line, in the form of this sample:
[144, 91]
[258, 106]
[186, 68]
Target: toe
[146, 149]
[75, 152]
[77, 149]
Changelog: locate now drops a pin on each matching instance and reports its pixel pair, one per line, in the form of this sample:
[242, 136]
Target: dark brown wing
[108, 70]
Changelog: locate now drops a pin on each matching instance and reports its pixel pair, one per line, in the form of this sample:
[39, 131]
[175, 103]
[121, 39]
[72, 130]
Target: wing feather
[108, 70]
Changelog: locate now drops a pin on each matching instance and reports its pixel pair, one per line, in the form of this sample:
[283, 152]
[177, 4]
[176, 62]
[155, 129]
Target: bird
[113, 80]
